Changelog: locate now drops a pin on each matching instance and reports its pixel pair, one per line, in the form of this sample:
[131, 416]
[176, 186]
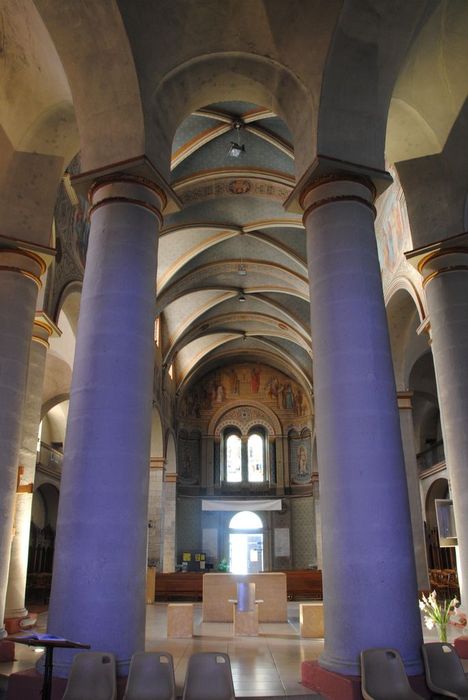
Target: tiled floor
[267, 665]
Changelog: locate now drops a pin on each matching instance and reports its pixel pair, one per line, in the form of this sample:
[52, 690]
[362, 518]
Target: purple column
[445, 269]
[369, 580]
[98, 585]
[20, 272]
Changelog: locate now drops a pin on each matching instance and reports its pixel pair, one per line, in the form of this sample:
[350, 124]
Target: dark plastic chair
[92, 677]
[383, 676]
[209, 677]
[151, 677]
[444, 671]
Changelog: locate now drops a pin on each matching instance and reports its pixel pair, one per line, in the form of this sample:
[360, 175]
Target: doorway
[246, 543]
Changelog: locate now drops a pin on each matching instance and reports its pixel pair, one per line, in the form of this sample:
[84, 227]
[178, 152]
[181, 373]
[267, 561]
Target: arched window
[245, 520]
[246, 543]
[255, 452]
[233, 459]
[244, 459]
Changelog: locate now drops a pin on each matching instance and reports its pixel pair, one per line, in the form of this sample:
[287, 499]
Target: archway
[245, 543]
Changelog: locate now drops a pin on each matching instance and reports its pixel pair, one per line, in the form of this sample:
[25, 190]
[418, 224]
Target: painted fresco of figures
[234, 381]
[299, 401]
[274, 389]
[220, 393]
[186, 472]
[301, 460]
[288, 398]
[255, 380]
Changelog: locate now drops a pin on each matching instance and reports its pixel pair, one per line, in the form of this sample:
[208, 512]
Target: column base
[461, 645]
[20, 624]
[7, 650]
[27, 685]
[334, 686]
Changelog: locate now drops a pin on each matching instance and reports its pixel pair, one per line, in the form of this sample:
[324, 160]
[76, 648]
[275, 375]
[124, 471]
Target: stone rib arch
[239, 403]
[402, 282]
[224, 76]
[110, 121]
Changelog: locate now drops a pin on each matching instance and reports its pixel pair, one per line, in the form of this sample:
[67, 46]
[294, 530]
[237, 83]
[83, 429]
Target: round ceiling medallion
[239, 186]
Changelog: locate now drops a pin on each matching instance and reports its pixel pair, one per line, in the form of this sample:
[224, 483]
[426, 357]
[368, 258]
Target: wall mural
[245, 381]
[189, 457]
[392, 227]
[300, 458]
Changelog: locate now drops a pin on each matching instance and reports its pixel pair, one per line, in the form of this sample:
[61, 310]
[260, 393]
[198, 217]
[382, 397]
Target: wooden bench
[301, 584]
[187, 585]
[305, 584]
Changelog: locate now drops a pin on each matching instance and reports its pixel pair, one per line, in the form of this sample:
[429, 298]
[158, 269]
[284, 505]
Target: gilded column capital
[24, 262]
[332, 180]
[405, 400]
[157, 463]
[135, 181]
[44, 328]
[440, 258]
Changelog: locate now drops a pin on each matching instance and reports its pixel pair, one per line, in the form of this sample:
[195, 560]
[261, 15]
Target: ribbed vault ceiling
[232, 275]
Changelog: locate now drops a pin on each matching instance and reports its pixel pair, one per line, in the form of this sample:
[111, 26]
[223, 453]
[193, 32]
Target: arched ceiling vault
[232, 269]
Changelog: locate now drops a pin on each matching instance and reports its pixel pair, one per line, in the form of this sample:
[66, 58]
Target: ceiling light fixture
[241, 296]
[241, 268]
[236, 148]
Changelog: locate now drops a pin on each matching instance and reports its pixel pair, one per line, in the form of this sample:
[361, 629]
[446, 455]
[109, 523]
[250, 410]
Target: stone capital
[405, 400]
[23, 261]
[137, 172]
[441, 257]
[425, 327]
[44, 328]
[157, 463]
[325, 169]
[170, 478]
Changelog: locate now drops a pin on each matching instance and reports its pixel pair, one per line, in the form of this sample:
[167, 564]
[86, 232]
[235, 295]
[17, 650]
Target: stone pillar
[285, 460]
[169, 523]
[444, 266]
[208, 460]
[20, 272]
[369, 579]
[99, 577]
[412, 478]
[15, 599]
[155, 511]
[245, 459]
[318, 518]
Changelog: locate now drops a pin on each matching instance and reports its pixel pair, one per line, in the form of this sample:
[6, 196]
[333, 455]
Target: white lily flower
[429, 622]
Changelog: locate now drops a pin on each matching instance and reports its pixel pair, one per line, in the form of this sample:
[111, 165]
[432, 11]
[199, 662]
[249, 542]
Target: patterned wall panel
[189, 531]
[304, 537]
[189, 457]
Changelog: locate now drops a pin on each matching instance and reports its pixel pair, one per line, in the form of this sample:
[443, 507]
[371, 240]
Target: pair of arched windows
[245, 467]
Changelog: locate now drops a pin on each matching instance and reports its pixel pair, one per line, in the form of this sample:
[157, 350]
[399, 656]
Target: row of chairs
[151, 677]
[383, 675]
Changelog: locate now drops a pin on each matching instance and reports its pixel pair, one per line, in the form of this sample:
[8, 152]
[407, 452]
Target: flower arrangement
[439, 614]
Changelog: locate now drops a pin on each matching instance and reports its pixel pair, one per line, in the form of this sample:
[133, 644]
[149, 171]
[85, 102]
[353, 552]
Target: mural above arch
[243, 383]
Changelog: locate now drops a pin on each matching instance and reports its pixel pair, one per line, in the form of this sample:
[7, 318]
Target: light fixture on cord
[236, 148]
[241, 268]
[241, 296]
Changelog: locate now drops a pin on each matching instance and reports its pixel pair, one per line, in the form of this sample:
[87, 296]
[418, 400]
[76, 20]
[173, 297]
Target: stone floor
[265, 666]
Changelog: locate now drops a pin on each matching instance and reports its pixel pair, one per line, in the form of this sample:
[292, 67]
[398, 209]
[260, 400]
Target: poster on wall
[282, 548]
